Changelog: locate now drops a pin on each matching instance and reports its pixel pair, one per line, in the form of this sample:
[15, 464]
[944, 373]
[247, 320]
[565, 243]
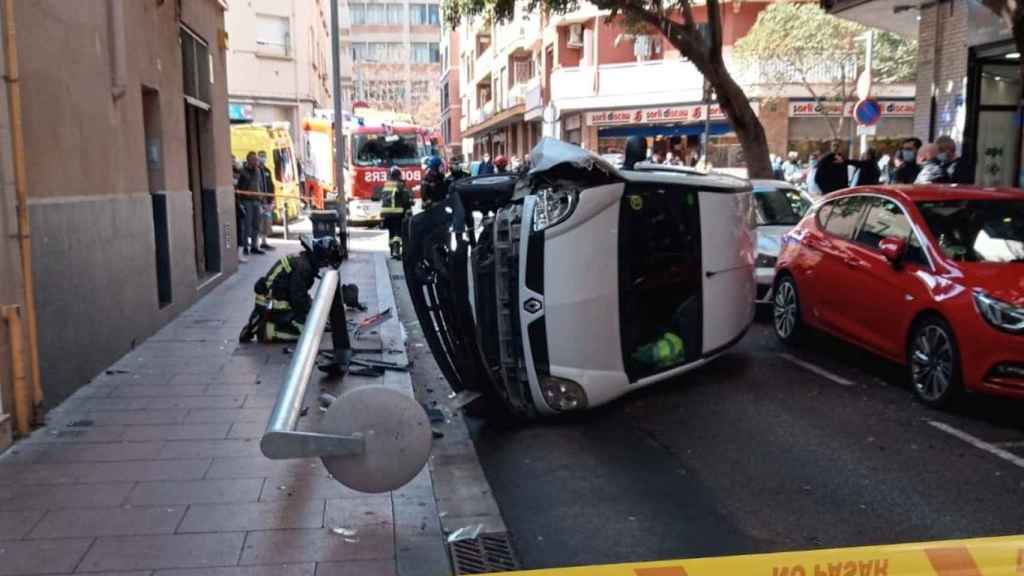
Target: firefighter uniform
[282, 296]
[395, 205]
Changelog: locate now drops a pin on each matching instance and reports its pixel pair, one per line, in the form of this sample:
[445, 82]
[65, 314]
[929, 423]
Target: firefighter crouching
[282, 296]
[397, 202]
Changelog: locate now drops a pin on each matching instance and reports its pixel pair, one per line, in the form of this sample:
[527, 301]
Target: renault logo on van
[532, 305]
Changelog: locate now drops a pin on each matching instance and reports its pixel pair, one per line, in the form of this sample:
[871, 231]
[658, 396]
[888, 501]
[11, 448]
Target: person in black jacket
[867, 173]
[251, 179]
[831, 174]
[434, 187]
[959, 170]
[282, 296]
[932, 170]
[907, 169]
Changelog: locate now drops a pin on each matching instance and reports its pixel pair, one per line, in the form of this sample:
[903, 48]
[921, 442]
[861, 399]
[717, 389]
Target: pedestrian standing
[267, 205]
[932, 169]
[250, 179]
[832, 174]
[485, 167]
[907, 167]
[791, 171]
[958, 169]
[812, 169]
[866, 170]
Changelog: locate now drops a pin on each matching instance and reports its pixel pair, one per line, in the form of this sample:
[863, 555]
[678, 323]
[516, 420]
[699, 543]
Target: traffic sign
[867, 112]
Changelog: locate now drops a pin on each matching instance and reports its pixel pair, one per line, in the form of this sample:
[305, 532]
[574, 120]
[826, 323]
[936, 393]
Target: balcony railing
[777, 72]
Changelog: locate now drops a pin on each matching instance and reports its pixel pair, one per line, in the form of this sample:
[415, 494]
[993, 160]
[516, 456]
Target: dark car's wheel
[786, 310]
[933, 362]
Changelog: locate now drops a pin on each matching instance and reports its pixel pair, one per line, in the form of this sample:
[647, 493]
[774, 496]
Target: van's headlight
[554, 205]
[1000, 314]
[562, 394]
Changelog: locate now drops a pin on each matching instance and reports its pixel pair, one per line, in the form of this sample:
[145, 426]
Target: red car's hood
[1001, 281]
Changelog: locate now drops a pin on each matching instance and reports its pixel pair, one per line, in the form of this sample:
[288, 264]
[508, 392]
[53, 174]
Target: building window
[424, 15]
[522, 71]
[425, 53]
[357, 14]
[358, 51]
[395, 14]
[273, 35]
[196, 69]
[483, 42]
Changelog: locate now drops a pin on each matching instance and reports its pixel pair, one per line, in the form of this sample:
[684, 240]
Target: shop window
[273, 35]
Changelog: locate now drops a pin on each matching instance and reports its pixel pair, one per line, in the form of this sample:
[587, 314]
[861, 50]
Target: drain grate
[484, 554]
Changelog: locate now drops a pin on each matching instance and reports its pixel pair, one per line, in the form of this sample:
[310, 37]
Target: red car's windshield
[977, 230]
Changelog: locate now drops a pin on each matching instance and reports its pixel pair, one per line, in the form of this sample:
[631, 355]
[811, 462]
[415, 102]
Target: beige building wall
[92, 205]
[281, 85]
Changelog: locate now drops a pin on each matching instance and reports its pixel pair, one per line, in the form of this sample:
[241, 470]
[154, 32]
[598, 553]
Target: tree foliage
[675, 20]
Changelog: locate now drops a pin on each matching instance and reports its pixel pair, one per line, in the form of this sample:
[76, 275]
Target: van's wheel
[786, 310]
[933, 362]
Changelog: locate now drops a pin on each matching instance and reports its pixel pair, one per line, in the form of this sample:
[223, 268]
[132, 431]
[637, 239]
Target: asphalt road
[756, 453]
[767, 449]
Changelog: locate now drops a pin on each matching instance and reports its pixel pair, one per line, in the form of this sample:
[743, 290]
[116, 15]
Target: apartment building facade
[968, 83]
[395, 47]
[130, 203]
[451, 99]
[279, 61]
[593, 82]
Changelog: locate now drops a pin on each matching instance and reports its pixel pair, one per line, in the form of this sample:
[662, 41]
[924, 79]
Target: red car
[928, 276]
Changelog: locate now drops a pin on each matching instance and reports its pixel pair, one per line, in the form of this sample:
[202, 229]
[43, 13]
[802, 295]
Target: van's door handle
[854, 262]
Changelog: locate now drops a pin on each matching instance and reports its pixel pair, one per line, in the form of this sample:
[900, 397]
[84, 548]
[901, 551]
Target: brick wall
[942, 69]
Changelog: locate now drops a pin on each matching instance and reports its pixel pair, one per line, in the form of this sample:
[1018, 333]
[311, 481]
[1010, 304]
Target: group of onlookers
[914, 163]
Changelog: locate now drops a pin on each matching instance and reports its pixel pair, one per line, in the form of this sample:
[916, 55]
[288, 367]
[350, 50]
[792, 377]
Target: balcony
[649, 83]
[515, 96]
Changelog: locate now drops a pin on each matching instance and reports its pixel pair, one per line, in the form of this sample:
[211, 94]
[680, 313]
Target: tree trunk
[745, 122]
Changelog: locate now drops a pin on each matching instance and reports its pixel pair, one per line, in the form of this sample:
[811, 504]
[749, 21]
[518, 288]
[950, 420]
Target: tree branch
[715, 29]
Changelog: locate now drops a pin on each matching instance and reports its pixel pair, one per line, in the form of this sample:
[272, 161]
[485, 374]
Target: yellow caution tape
[1001, 556]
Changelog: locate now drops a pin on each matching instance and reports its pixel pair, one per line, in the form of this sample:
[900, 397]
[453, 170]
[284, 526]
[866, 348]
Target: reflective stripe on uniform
[271, 303]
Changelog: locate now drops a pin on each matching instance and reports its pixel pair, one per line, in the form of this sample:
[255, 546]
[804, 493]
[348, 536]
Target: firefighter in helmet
[282, 296]
[434, 187]
[397, 202]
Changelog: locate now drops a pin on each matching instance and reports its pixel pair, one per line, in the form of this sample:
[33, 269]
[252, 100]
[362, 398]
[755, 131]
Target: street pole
[339, 123]
[869, 57]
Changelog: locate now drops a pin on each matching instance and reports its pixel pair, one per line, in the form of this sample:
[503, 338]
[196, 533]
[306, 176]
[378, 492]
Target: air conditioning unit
[575, 36]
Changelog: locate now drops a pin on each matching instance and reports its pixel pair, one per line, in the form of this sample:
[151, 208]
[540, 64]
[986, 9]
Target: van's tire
[933, 362]
[786, 319]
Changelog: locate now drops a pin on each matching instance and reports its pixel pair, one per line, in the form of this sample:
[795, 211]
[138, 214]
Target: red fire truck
[373, 147]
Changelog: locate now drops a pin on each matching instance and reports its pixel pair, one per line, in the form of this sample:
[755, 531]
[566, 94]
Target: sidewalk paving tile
[369, 510]
[92, 452]
[64, 496]
[210, 449]
[124, 521]
[176, 432]
[15, 524]
[129, 390]
[318, 544]
[41, 556]
[195, 492]
[306, 487]
[197, 402]
[358, 568]
[77, 435]
[219, 415]
[270, 570]
[145, 470]
[111, 418]
[166, 551]
[247, 430]
[263, 467]
[253, 516]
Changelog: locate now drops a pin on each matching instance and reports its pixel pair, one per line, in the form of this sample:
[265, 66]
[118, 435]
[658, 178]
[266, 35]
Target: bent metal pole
[281, 440]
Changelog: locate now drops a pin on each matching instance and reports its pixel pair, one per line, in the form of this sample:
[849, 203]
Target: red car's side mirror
[893, 249]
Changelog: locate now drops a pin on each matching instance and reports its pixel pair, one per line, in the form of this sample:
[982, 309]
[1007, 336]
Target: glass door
[997, 122]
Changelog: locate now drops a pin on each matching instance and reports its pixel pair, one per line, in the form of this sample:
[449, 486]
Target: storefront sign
[684, 114]
[810, 109]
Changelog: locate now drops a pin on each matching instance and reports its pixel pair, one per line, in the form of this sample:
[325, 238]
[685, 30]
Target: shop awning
[715, 128]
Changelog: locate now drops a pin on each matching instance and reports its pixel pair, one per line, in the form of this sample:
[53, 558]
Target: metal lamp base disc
[397, 435]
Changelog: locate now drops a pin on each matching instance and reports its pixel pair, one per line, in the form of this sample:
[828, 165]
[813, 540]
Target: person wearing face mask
[932, 171]
[959, 170]
[812, 169]
[907, 167]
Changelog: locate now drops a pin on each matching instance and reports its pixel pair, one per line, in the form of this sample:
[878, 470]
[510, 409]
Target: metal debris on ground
[465, 533]
[463, 398]
[370, 322]
[117, 371]
[373, 363]
[325, 400]
[436, 416]
[343, 531]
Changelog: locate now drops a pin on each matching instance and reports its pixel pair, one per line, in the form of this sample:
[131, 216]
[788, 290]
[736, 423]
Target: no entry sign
[867, 112]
